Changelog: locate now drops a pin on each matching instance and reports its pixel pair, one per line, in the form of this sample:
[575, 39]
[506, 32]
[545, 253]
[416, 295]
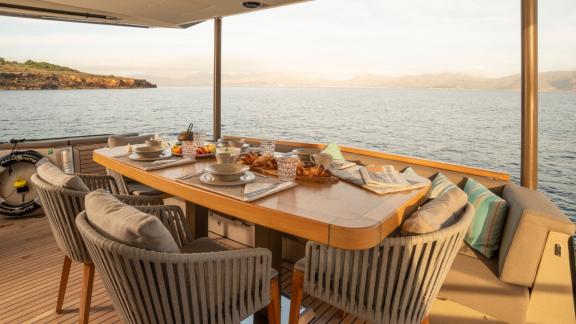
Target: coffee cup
[323, 159]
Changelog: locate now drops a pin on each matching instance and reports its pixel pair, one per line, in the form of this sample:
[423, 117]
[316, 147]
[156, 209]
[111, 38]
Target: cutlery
[260, 175]
[163, 161]
[258, 192]
[184, 177]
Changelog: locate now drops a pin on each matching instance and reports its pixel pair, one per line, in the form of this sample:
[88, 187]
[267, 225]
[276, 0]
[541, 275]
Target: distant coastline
[32, 75]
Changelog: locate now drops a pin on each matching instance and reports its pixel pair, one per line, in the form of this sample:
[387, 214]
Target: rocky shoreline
[44, 76]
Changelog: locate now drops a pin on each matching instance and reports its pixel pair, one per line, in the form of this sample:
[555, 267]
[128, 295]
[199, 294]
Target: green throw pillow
[490, 214]
[440, 185]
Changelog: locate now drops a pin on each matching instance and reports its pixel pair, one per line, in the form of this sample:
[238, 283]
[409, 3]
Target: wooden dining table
[341, 214]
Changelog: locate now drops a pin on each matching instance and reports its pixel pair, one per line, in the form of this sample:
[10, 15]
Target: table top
[340, 215]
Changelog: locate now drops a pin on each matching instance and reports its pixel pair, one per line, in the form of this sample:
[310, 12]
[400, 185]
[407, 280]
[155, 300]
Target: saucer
[138, 157]
[207, 178]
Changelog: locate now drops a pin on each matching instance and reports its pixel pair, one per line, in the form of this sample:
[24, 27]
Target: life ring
[24, 208]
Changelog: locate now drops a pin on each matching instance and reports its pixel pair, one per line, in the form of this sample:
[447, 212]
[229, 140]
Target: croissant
[271, 165]
[261, 161]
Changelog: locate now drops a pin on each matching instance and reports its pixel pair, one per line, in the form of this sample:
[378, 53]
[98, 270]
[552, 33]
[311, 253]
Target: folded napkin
[251, 190]
[334, 150]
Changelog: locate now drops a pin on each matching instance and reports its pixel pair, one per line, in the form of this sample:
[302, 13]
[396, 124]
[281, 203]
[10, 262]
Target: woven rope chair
[61, 207]
[153, 287]
[128, 186]
[393, 282]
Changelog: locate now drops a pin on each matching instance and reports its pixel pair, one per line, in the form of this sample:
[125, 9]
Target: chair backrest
[154, 287]
[393, 282]
[61, 207]
[114, 141]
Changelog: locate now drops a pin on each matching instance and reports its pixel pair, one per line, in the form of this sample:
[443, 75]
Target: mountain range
[548, 81]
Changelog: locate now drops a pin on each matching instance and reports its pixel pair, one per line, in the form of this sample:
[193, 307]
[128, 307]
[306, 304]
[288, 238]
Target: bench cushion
[473, 282]
[530, 217]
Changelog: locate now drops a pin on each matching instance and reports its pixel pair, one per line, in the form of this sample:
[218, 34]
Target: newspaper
[381, 179]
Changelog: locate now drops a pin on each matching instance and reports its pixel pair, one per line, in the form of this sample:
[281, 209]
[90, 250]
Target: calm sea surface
[476, 128]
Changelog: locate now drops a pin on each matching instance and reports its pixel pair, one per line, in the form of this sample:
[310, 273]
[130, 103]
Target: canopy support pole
[529, 153]
[217, 85]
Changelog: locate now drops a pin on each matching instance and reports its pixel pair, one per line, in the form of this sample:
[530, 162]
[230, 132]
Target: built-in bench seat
[529, 280]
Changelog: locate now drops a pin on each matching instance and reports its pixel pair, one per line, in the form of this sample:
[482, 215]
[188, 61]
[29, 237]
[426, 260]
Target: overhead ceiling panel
[143, 13]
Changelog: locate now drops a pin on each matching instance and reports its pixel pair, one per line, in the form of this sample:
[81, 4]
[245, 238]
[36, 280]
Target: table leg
[197, 218]
[272, 240]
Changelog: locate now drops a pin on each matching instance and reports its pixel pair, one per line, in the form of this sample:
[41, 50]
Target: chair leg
[296, 296]
[274, 306]
[87, 282]
[426, 320]
[63, 282]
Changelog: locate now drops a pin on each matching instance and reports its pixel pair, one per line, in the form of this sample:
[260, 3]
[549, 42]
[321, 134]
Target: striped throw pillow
[440, 185]
[409, 171]
[490, 214]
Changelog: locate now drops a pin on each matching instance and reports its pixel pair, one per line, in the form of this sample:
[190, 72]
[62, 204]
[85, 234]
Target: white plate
[207, 178]
[137, 157]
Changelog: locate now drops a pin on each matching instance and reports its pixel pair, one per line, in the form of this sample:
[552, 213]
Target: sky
[330, 39]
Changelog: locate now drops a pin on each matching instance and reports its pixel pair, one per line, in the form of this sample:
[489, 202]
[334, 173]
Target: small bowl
[152, 142]
[148, 151]
[226, 155]
[304, 153]
[238, 144]
[227, 171]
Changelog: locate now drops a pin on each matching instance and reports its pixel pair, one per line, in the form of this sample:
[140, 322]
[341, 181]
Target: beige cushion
[127, 224]
[202, 245]
[436, 214]
[114, 141]
[531, 216]
[473, 282]
[56, 177]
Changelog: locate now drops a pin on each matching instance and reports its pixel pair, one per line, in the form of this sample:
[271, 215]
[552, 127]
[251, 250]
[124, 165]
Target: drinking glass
[189, 150]
[199, 139]
[287, 168]
[268, 147]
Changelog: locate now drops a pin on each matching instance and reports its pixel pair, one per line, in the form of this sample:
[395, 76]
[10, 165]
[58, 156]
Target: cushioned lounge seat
[473, 281]
[503, 285]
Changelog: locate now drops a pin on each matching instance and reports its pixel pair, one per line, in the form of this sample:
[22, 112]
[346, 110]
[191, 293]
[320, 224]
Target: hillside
[32, 75]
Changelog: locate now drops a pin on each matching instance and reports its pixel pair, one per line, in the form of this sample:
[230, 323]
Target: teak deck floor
[30, 267]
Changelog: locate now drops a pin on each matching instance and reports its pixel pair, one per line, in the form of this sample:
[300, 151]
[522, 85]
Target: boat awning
[135, 13]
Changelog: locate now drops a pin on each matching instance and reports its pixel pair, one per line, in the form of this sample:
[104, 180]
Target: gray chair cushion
[531, 215]
[436, 214]
[127, 224]
[202, 245]
[473, 282]
[114, 141]
[56, 177]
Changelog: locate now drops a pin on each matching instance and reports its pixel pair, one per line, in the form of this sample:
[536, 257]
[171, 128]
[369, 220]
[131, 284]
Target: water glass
[189, 150]
[287, 168]
[268, 147]
[199, 139]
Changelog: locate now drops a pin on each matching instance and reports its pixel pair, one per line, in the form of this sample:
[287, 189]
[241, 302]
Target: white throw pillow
[436, 214]
[126, 224]
[56, 177]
